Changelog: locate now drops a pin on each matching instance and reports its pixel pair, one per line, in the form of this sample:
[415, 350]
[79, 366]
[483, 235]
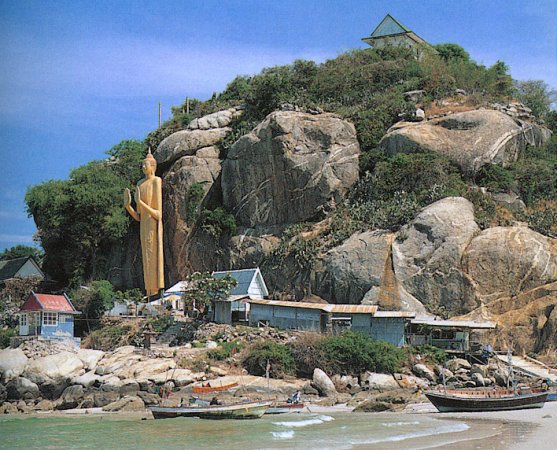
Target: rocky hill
[435, 200]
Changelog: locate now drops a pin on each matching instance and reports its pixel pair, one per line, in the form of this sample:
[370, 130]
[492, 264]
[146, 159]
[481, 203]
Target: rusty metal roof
[455, 323]
[348, 309]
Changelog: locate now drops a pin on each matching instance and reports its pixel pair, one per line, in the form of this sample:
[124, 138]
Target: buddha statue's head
[149, 164]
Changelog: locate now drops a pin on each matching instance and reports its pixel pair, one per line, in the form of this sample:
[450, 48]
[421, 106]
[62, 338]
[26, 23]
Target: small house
[325, 318]
[235, 308]
[450, 335]
[390, 32]
[47, 316]
[24, 267]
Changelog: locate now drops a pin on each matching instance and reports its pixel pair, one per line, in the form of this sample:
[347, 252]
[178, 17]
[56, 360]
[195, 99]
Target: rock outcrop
[12, 363]
[349, 271]
[470, 139]
[289, 168]
[428, 251]
[504, 261]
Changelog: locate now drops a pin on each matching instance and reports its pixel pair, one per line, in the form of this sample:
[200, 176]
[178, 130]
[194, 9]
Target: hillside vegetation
[81, 218]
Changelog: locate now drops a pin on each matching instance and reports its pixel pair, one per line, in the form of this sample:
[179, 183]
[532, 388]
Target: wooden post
[160, 115]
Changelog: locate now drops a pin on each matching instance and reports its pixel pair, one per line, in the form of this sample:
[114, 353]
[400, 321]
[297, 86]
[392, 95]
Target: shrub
[278, 356]
[5, 335]
[435, 354]
[110, 337]
[224, 351]
[353, 353]
[161, 324]
[495, 178]
[218, 222]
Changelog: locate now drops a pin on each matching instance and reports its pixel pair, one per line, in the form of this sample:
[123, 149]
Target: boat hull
[283, 408]
[252, 410]
[456, 403]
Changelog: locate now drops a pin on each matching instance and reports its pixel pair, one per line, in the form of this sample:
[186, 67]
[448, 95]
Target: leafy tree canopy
[78, 219]
[19, 251]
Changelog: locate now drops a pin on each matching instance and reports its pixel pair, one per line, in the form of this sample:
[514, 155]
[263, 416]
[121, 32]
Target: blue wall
[64, 329]
[390, 329]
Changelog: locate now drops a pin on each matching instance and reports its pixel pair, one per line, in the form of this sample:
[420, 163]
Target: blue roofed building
[250, 285]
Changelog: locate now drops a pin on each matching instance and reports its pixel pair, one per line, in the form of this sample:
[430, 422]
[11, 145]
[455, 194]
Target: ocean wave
[283, 434]
[453, 428]
[304, 423]
[399, 424]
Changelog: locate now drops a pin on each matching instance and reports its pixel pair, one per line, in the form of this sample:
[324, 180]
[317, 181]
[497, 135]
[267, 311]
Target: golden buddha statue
[148, 199]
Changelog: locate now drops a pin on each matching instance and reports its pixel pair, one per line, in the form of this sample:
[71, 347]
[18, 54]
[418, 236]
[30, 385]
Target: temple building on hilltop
[390, 32]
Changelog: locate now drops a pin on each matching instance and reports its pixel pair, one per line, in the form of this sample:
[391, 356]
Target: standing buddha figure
[148, 199]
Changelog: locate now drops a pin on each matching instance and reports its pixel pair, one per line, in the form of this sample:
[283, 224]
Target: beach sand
[532, 429]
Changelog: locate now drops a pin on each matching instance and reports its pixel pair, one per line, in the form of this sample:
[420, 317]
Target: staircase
[530, 367]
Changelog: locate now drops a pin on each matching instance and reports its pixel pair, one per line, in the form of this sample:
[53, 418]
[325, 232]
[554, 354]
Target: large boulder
[347, 272]
[129, 403]
[71, 397]
[186, 143]
[378, 381]
[88, 379]
[323, 383]
[470, 139]
[12, 363]
[53, 389]
[182, 203]
[52, 367]
[90, 358]
[504, 261]
[145, 369]
[427, 255]
[215, 120]
[21, 388]
[289, 168]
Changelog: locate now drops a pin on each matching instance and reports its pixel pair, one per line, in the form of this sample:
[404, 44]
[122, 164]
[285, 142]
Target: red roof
[48, 302]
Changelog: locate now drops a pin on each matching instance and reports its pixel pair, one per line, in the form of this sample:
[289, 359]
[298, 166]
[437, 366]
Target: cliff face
[296, 167]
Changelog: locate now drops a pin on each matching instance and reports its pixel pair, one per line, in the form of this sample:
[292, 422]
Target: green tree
[451, 52]
[19, 251]
[78, 220]
[203, 289]
[93, 301]
[536, 95]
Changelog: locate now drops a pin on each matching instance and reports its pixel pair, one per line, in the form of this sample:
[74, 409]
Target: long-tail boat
[245, 410]
[208, 389]
[471, 400]
[284, 407]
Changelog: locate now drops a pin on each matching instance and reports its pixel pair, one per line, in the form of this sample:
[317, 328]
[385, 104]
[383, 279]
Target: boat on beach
[284, 407]
[210, 389]
[244, 410]
[470, 400]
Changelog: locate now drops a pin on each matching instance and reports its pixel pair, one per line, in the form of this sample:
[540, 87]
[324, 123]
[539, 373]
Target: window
[23, 320]
[50, 318]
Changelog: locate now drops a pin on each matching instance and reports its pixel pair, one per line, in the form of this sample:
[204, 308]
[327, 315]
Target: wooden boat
[210, 389]
[458, 400]
[251, 410]
[283, 407]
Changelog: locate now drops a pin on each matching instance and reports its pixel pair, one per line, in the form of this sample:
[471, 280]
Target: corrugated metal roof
[243, 277]
[348, 309]
[405, 314]
[48, 302]
[454, 323]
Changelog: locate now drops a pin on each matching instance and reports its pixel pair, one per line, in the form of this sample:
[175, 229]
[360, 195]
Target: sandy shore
[532, 429]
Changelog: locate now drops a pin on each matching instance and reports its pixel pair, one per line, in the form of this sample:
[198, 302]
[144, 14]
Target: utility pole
[160, 115]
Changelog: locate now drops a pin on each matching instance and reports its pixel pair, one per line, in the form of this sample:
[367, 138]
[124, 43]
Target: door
[23, 325]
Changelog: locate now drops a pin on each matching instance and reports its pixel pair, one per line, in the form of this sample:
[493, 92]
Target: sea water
[298, 431]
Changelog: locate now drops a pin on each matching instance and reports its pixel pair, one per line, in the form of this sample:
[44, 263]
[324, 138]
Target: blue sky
[77, 77]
